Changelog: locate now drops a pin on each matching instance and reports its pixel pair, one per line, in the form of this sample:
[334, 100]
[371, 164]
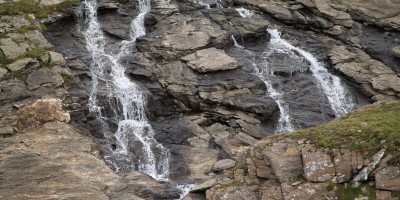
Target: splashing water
[124, 99]
[338, 96]
[243, 12]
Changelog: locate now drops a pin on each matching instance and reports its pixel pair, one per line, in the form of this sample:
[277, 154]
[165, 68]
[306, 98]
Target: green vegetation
[33, 7]
[26, 29]
[369, 129]
[330, 187]
[350, 193]
[34, 53]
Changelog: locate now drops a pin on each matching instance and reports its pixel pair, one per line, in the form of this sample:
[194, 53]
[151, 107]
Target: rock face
[373, 77]
[205, 101]
[318, 166]
[209, 60]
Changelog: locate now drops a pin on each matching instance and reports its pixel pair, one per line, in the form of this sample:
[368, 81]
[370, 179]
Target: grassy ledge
[368, 129]
[33, 7]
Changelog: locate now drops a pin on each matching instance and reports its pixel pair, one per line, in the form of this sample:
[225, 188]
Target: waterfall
[265, 73]
[338, 96]
[123, 103]
[235, 43]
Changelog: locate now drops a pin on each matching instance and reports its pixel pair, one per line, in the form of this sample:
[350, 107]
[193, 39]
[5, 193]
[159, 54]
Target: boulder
[396, 52]
[223, 165]
[388, 178]
[19, 64]
[209, 60]
[57, 58]
[204, 186]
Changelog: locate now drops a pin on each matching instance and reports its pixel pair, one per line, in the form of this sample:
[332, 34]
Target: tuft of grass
[26, 29]
[32, 7]
[330, 187]
[369, 129]
[34, 53]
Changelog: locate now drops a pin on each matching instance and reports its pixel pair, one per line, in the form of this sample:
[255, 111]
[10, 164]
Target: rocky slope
[205, 102]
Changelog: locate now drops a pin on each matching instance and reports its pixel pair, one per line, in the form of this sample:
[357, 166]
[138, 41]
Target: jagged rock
[396, 52]
[42, 111]
[2, 72]
[11, 49]
[363, 175]
[318, 166]
[6, 130]
[57, 59]
[19, 64]
[388, 178]
[204, 186]
[343, 167]
[223, 165]
[372, 76]
[209, 60]
[44, 77]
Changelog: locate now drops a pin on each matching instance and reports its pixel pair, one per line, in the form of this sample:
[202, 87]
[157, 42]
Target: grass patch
[330, 187]
[369, 129]
[34, 53]
[349, 193]
[26, 29]
[32, 7]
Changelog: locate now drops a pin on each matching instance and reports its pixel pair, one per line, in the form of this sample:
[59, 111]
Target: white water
[125, 98]
[331, 85]
[264, 72]
[243, 12]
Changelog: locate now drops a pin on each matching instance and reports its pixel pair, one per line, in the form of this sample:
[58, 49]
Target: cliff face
[206, 102]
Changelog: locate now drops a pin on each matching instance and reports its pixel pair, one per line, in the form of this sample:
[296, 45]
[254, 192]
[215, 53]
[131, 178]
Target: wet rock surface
[205, 101]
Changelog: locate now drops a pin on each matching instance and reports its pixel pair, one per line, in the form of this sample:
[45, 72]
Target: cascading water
[124, 103]
[264, 72]
[337, 94]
